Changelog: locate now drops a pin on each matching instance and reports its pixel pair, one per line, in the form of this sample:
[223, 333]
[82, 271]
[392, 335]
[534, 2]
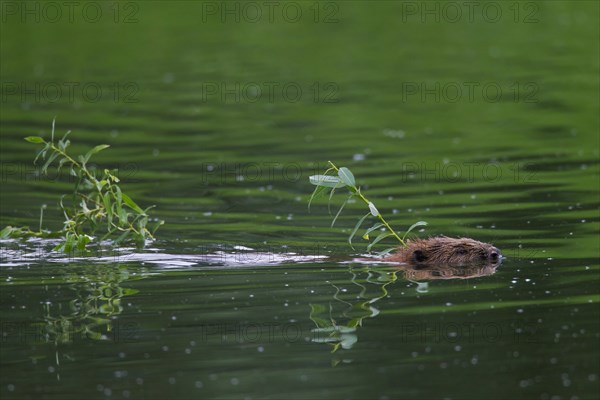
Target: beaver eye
[419, 256]
[494, 256]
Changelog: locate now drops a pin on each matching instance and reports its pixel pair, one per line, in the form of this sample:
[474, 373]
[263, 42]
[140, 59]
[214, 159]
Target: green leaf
[413, 226]
[329, 201]
[386, 251]
[317, 192]
[346, 177]
[35, 139]
[315, 311]
[355, 322]
[48, 162]
[42, 153]
[68, 244]
[87, 184]
[142, 228]
[373, 209]
[149, 208]
[118, 196]
[60, 247]
[6, 232]
[61, 163]
[326, 180]
[110, 175]
[127, 200]
[142, 223]
[64, 143]
[159, 223]
[53, 124]
[84, 207]
[95, 150]
[371, 229]
[117, 208]
[358, 224]
[379, 238]
[83, 241]
[107, 207]
[340, 211]
[122, 237]
[123, 217]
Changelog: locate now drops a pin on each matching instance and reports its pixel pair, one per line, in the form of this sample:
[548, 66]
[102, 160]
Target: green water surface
[483, 122]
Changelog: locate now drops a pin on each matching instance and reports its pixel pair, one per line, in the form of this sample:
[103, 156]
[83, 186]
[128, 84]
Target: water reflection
[94, 300]
[426, 273]
[337, 322]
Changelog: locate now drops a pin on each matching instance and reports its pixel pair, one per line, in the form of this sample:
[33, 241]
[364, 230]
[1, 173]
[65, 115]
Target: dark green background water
[484, 124]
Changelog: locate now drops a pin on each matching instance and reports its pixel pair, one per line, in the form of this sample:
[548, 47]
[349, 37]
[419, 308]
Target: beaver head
[445, 251]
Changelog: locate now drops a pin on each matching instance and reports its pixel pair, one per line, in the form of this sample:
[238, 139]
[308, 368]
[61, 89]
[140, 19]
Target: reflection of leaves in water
[338, 328]
[97, 299]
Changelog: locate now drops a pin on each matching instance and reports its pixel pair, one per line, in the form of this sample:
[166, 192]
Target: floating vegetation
[98, 206]
[345, 178]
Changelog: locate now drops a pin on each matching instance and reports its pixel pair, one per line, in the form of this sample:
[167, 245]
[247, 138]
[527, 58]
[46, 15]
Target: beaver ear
[418, 256]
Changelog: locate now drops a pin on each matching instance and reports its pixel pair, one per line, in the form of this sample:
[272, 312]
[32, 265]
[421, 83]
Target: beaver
[442, 251]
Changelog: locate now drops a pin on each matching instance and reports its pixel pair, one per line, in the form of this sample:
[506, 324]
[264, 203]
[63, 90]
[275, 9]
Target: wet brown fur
[443, 251]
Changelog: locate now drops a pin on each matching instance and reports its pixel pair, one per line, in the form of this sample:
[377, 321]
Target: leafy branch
[98, 203]
[344, 178]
